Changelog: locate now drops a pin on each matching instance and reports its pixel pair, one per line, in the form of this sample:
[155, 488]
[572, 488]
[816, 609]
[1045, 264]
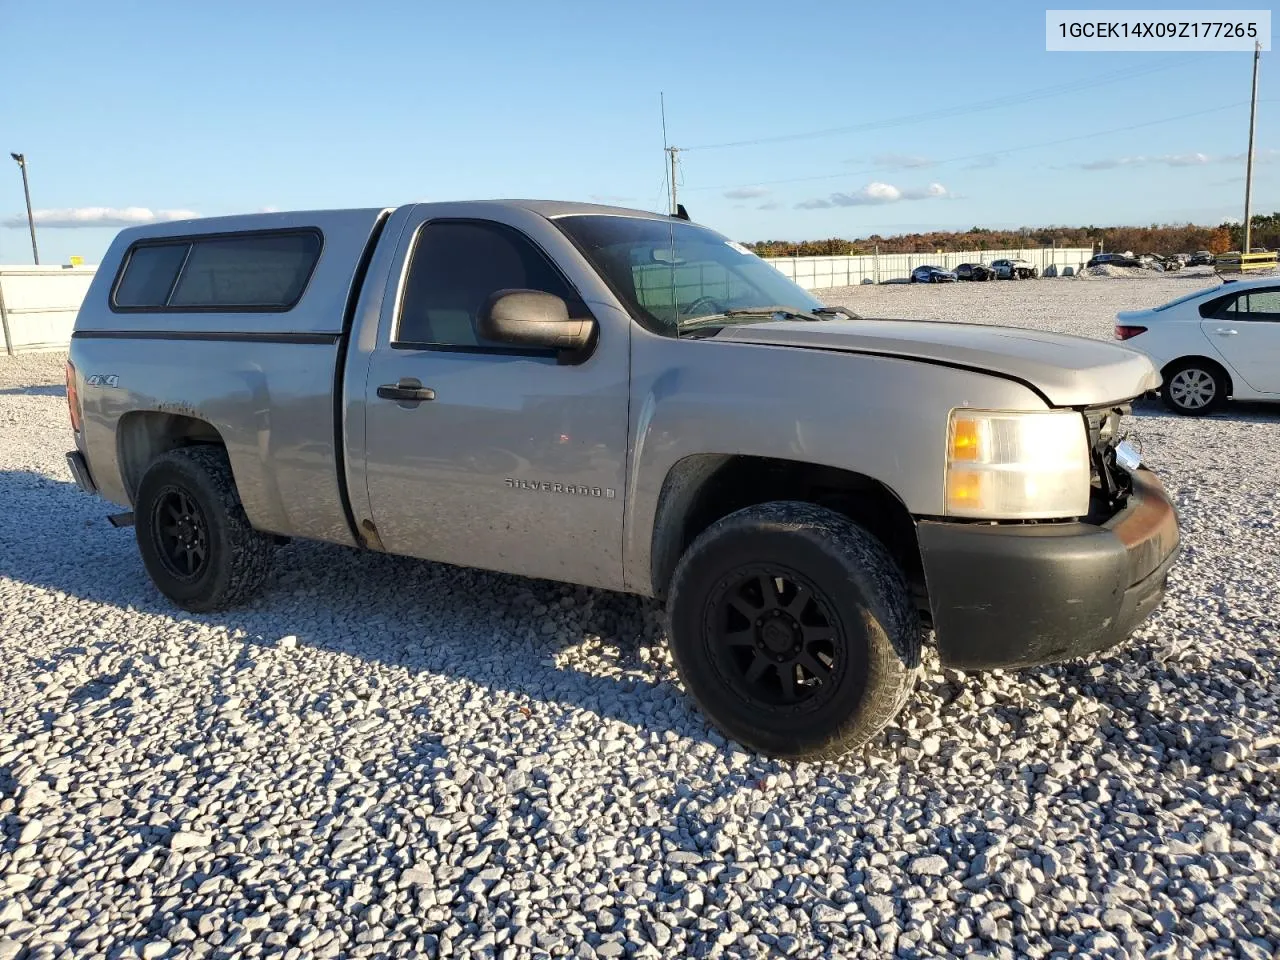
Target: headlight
[1017, 466]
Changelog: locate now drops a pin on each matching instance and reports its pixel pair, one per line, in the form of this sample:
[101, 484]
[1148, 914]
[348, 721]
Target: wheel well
[1173, 365]
[144, 435]
[702, 489]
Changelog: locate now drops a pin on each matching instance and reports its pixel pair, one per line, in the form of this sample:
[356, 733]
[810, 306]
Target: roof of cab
[364, 216]
[565, 208]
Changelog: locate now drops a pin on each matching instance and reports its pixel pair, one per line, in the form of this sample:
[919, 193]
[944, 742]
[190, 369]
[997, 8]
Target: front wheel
[194, 537]
[794, 630]
[1194, 388]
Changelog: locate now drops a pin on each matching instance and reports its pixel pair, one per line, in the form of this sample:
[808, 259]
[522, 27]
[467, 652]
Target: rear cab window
[259, 271]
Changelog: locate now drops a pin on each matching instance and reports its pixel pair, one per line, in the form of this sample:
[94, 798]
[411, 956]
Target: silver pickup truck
[629, 401]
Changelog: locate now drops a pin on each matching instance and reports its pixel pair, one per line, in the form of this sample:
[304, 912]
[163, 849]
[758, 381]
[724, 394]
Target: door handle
[406, 390]
[1226, 332]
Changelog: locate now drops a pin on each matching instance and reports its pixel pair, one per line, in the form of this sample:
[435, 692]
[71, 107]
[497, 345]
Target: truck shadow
[420, 616]
[604, 654]
[35, 390]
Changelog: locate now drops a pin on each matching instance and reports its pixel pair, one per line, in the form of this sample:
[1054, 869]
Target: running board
[120, 519]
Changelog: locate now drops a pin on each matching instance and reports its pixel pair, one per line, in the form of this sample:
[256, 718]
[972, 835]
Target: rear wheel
[194, 537]
[1194, 388]
[794, 630]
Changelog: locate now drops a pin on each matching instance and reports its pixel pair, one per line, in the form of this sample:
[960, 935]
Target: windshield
[669, 273]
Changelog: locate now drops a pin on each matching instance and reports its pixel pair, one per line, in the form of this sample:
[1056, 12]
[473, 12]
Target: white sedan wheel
[1193, 389]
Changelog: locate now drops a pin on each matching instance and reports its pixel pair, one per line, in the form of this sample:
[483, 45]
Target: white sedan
[1212, 344]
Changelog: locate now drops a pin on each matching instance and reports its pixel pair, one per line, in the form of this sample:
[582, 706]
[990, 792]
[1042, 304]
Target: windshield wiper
[842, 311]
[786, 313]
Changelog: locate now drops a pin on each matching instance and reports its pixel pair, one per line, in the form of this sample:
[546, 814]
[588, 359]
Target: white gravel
[392, 758]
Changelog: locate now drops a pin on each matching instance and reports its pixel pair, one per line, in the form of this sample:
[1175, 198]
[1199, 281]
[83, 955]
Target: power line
[984, 154]
[943, 113]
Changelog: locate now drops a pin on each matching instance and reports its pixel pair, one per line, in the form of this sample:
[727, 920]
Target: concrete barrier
[38, 306]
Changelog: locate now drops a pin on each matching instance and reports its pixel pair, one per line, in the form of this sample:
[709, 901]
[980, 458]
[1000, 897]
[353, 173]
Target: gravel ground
[392, 758]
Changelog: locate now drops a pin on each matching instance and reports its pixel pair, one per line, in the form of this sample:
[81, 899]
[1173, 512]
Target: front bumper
[1019, 595]
[80, 472]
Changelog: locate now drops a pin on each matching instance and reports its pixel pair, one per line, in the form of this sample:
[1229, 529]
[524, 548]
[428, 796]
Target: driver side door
[510, 459]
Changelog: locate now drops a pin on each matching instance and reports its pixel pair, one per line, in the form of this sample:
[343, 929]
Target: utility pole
[21, 159]
[1248, 169]
[672, 153]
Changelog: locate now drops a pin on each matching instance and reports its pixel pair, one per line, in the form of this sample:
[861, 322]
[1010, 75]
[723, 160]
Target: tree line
[1164, 239]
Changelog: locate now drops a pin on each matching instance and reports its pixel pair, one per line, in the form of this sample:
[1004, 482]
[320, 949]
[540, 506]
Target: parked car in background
[1216, 343]
[974, 271]
[1158, 261]
[1201, 258]
[459, 382]
[1113, 260]
[1015, 269]
[1183, 258]
[931, 274]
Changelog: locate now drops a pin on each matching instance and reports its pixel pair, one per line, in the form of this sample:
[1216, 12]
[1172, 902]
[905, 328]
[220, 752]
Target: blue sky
[927, 115]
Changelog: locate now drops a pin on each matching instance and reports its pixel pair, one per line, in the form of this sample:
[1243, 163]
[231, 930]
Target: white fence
[38, 305]
[814, 273]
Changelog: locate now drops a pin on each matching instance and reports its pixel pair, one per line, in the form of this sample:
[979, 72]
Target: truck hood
[1069, 371]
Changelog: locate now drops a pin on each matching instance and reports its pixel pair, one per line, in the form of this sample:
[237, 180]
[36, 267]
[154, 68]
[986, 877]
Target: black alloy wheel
[775, 637]
[181, 533]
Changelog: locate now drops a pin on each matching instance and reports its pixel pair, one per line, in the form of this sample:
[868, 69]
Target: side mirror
[531, 318]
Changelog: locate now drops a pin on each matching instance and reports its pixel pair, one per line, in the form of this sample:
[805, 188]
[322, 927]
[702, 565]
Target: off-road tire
[238, 557]
[864, 594]
[1207, 368]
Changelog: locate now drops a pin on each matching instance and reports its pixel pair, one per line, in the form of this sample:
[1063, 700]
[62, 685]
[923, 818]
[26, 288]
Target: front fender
[881, 417]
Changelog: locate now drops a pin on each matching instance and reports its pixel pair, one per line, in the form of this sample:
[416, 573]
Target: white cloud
[983, 163]
[874, 194]
[99, 217]
[932, 190]
[902, 161]
[1196, 159]
[268, 209]
[1259, 156]
[747, 193]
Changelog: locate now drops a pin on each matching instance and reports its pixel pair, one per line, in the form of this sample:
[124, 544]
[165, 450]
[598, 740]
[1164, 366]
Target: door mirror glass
[531, 318]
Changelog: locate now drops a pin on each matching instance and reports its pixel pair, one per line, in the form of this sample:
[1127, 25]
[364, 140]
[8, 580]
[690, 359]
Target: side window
[262, 271]
[1262, 305]
[1223, 308]
[455, 266]
[149, 275]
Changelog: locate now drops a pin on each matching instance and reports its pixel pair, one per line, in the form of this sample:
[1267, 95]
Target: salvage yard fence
[817, 273]
[38, 306]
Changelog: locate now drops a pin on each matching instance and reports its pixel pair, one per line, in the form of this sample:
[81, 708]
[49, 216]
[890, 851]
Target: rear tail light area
[73, 397]
[1127, 331]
